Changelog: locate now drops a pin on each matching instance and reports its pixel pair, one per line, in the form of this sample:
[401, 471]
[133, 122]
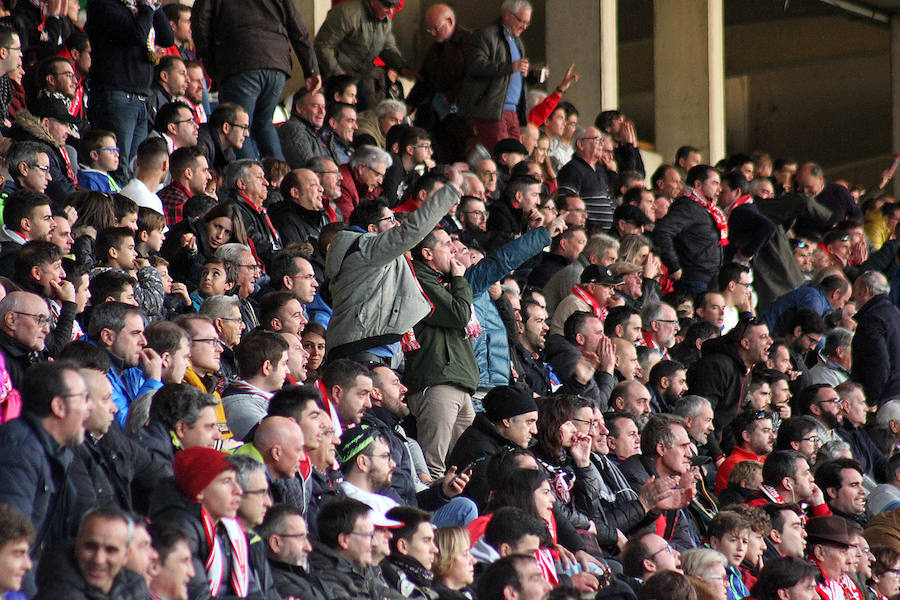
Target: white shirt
[142, 196]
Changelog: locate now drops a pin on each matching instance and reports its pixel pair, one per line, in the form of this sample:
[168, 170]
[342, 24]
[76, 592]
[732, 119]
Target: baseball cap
[598, 274]
[50, 107]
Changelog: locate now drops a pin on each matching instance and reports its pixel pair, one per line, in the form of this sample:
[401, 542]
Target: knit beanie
[196, 467]
[505, 401]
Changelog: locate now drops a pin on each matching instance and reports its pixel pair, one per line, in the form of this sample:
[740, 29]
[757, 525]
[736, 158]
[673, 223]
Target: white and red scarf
[745, 199]
[581, 294]
[716, 213]
[215, 562]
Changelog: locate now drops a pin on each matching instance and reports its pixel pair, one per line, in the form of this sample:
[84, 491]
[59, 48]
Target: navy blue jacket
[876, 349]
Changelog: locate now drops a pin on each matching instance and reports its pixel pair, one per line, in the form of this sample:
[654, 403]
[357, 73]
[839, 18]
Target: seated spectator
[855, 412]
[291, 272]
[631, 397]
[54, 408]
[27, 217]
[835, 368]
[593, 294]
[511, 577]
[886, 496]
[754, 439]
[841, 481]
[286, 538]
[341, 560]
[711, 568]
[800, 434]
[28, 167]
[729, 533]
[152, 165]
[743, 483]
[646, 554]
[454, 565]
[791, 576]
[377, 121]
[173, 344]
[299, 135]
[413, 551]
[24, 326]
[262, 365]
[173, 567]
[17, 535]
[338, 132]
[787, 537]
[361, 178]
[181, 416]
[217, 278]
[190, 174]
[246, 187]
[170, 82]
[624, 438]
[279, 444]
[73, 569]
[883, 583]
[829, 538]
[787, 479]
[49, 123]
[227, 129]
[225, 314]
[281, 312]
[135, 370]
[823, 404]
[176, 125]
[301, 216]
[101, 156]
[112, 286]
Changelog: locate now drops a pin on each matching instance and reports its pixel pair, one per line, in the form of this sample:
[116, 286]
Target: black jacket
[119, 44]
[533, 371]
[115, 470]
[297, 224]
[261, 237]
[34, 479]
[864, 450]
[719, 377]
[157, 440]
[548, 266]
[748, 231]
[28, 128]
[218, 158]
[688, 239]
[170, 505]
[344, 580]
[58, 578]
[293, 581]
[18, 358]
[876, 349]
[488, 71]
[184, 266]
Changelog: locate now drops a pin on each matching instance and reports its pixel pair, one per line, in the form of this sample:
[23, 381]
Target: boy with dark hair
[729, 533]
[100, 155]
[262, 358]
[217, 278]
[151, 227]
[115, 250]
[16, 534]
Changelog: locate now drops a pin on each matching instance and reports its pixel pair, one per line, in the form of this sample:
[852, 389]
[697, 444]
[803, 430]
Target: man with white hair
[379, 120]
[876, 343]
[888, 417]
[362, 178]
[494, 91]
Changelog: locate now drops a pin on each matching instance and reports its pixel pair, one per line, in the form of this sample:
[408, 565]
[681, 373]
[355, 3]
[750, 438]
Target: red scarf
[745, 199]
[215, 563]
[716, 213]
[851, 591]
[581, 294]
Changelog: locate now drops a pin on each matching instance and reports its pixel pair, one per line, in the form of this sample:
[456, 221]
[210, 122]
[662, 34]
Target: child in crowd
[217, 278]
[126, 211]
[115, 249]
[729, 533]
[178, 300]
[100, 155]
[151, 227]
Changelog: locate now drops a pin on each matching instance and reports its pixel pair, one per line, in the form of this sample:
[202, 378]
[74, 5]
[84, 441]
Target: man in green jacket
[443, 373]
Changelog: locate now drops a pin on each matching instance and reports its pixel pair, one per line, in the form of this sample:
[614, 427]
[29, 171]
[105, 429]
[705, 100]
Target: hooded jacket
[28, 128]
[719, 376]
[375, 295]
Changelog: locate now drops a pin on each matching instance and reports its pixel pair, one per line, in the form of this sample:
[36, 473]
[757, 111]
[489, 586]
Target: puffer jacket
[374, 292]
[27, 128]
[492, 347]
[58, 578]
[445, 356]
[719, 377]
[350, 39]
[488, 71]
[688, 240]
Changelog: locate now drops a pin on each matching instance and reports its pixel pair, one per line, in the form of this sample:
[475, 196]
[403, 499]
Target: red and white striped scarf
[581, 294]
[215, 562]
[716, 213]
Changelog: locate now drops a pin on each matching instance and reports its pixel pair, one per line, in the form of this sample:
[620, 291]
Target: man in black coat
[301, 215]
[83, 571]
[876, 343]
[286, 537]
[35, 453]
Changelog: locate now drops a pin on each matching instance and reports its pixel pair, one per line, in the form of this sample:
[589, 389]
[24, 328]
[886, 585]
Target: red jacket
[737, 455]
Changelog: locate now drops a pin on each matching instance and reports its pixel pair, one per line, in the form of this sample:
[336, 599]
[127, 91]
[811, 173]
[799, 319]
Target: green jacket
[351, 38]
[445, 355]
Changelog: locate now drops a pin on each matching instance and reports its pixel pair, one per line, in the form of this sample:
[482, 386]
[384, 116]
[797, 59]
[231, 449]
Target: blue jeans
[258, 92]
[125, 114]
[459, 511]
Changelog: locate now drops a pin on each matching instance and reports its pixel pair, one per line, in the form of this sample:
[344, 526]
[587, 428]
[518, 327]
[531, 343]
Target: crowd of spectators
[440, 342]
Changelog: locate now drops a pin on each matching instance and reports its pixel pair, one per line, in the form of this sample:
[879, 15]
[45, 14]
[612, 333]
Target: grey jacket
[375, 294]
[300, 142]
[488, 70]
[351, 38]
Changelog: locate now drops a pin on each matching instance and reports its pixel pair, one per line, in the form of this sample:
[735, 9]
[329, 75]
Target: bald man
[627, 365]
[278, 443]
[24, 328]
[444, 66]
[301, 215]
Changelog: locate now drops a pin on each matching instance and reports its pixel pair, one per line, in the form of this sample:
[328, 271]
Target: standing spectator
[169, 85]
[122, 67]
[253, 64]
[587, 175]
[621, 130]
[876, 343]
[301, 216]
[353, 35]
[190, 174]
[493, 92]
[337, 134]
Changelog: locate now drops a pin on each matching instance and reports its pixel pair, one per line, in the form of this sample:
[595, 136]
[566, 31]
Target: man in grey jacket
[375, 296]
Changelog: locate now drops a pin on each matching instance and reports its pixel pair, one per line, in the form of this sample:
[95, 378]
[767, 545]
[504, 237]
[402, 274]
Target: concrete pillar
[572, 37]
[609, 55]
[313, 13]
[689, 77]
[895, 96]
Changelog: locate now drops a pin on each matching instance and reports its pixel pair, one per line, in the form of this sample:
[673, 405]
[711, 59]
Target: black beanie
[505, 401]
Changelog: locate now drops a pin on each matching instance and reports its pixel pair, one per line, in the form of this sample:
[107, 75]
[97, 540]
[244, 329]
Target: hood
[31, 125]
[484, 553]
[167, 498]
[722, 345]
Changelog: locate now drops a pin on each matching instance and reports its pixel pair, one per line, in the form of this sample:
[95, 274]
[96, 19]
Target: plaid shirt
[173, 197]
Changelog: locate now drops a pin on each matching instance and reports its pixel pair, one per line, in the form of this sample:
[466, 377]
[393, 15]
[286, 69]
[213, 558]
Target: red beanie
[196, 467]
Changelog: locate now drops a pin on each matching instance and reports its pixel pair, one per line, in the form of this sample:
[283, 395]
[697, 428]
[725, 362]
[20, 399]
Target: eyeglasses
[423, 146]
[391, 218]
[837, 401]
[292, 535]
[213, 341]
[42, 320]
[521, 21]
[385, 455]
[361, 534]
[16, 48]
[302, 276]
[328, 172]
[377, 173]
[813, 439]
[491, 174]
[672, 321]
[114, 149]
[231, 318]
[44, 168]
[239, 126]
[190, 120]
[436, 28]
[590, 424]
[667, 548]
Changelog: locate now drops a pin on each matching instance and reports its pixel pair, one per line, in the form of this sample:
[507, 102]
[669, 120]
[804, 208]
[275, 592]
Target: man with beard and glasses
[823, 404]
